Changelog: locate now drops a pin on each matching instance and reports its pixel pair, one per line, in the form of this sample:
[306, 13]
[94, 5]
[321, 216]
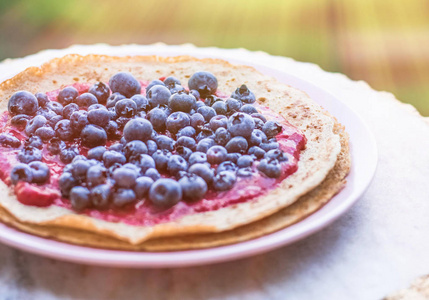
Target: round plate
[364, 161]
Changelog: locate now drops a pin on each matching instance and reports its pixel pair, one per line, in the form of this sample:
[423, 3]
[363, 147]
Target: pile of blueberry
[170, 145]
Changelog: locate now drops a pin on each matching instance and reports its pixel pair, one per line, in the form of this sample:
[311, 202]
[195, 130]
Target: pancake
[316, 161]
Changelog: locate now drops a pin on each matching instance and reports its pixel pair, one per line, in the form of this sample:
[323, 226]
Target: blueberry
[110, 157]
[112, 130]
[29, 154]
[197, 158]
[211, 100]
[66, 183]
[216, 155]
[118, 147]
[20, 120]
[161, 158]
[222, 136]
[184, 152]
[224, 181]
[126, 108]
[33, 124]
[193, 187]
[96, 175]
[142, 186]
[199, 104]
[42, 99]
[165, 192]
[151, 147]
[227, 166]
[153, 83]
[205, 144]
[55, 107]
[53, 121]
[197, 120]
[45, 133]
[195, 93]
[125, 177]
[79, 198]
[80, 168]
[21, 172]
[259, 116]
[40, 172]
[100, 196]
[138, 129]
[79, 157]
[125, 83]
[245, 161]
[86, 100]
[240, 124]
[269, 146]
[101, 91]
[67, 154]
[158, 95]
[69, 109]
[205, 132]
[176, 163]
[46, 112]
[233, 105]
[143, 161]
[187, 142]
[220, 107]
[78, 121]
[270, 167]
[244, 94]
[122, 121]
[233, 157]
[96, 153]
[258, 152]
[276, 154]
[165, 142]
[177, 89]
[134, 148]
[181, 102]
[187, 131]
[249, 109]
[204, 82]
[257, 137]
[8, 140]
[207, 112]
[157, 117]
[272, 128]
[113, 99]
[153, 174]
[67, 95]
[171, 81]
[177, 121]
[246, 172]
[99, 116]
[55, 146]
[237, 144]
[141, 102]
[93, 136]
[218, 122]
[203, 171]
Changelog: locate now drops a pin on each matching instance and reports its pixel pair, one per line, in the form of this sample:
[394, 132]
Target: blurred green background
[385, 43]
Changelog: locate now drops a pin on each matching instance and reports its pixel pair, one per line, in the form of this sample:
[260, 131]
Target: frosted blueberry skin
[23, 102]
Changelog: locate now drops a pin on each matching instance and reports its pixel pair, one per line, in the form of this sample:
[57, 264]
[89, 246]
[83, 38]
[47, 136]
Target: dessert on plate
[162, 153]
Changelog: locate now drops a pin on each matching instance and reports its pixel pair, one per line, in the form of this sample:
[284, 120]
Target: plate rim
[119, 258]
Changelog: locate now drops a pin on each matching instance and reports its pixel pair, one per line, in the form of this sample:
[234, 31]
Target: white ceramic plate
[364, 161]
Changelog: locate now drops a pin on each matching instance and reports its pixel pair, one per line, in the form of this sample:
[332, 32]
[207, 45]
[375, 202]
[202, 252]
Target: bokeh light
[385, 43]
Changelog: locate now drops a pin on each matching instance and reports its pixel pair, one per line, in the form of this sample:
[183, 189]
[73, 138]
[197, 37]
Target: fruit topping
[172, 144]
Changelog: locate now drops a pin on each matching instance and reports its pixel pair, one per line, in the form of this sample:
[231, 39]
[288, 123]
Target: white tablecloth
[379, 246]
